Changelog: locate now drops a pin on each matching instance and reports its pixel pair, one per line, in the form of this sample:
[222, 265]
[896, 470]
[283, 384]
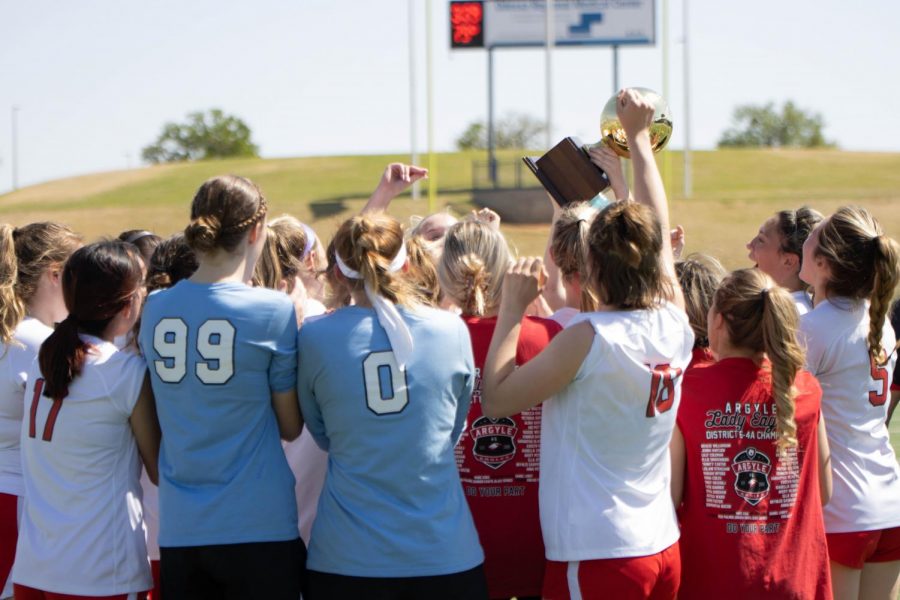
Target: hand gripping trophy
[566, 171]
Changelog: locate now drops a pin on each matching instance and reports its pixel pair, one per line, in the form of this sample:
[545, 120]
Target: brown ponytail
[367, 244]
[224, 208]
[25, 254]
[473, 265]
[887, 276]
[761, 317]
[569, 245]
[864, 264]
[98, 282]
[624, 258]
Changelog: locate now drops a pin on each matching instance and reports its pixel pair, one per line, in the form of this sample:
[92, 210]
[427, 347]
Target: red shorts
[9, 531]
[856, 548]
[155, 593]
[653, 577]
[21, 592]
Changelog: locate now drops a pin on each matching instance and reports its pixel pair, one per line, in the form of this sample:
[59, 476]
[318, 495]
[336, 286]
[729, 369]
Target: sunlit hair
[699, 276]
[98, 281]
[473, 265]
[337, 295]
[422, 272]
[26, 253]
[172, 261]
[624, 267]
[794, 226]
[367, 244]
[569, 247]
[145, 241]
[864, 264]
[762, 317]
[282, 256]
[222, 212]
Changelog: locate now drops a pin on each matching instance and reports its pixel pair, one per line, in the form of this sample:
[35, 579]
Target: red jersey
[701, 357]
[751, 521]
[498, 462]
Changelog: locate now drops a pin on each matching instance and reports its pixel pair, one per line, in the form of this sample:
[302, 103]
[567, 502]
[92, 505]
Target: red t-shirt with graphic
[751, 522]
[498, 462]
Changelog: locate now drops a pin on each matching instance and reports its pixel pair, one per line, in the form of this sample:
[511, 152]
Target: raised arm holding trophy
[566, 170]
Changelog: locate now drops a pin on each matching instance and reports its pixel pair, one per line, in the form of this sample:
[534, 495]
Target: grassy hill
[734, 191]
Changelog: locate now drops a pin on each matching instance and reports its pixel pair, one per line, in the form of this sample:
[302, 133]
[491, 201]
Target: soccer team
[608, 422]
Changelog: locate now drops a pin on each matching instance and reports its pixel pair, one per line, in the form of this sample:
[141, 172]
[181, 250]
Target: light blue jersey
[392, 505]
[216, 352]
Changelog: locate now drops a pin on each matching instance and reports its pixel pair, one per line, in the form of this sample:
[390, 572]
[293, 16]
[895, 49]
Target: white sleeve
[124, 377]
[815, 350]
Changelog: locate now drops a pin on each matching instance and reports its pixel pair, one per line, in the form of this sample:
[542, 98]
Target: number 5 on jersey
[215, 345]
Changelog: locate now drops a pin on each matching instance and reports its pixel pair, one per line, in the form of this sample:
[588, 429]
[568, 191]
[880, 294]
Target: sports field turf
[734, 191]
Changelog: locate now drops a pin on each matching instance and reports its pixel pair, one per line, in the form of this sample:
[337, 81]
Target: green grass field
[734, 191]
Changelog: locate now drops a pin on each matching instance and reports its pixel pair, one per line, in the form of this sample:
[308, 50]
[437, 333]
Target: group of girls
[605, 423]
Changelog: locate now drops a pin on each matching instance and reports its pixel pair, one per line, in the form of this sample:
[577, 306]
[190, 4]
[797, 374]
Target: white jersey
[565, 315]
[15, 362]
[150, 504]
[605, 472]
[82, 530]
[803, 301]
[855, 395]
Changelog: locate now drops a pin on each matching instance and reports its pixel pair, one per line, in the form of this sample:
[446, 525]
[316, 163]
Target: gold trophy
[660, 130]
[566, 170]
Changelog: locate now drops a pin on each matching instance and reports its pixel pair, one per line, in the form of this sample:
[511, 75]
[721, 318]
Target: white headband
[396, 264]
[310, 239]
[389, 317]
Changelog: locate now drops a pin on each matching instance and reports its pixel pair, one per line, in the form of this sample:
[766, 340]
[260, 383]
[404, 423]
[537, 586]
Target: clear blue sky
[96, 80]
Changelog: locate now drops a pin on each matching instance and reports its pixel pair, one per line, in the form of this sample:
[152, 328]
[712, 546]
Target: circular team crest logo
[494, 441]
[752, 468]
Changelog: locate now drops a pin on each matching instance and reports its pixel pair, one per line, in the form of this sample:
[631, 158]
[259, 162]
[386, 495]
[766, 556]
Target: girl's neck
[793, 283]
[222, 267]
[44, 312]
[726, 350]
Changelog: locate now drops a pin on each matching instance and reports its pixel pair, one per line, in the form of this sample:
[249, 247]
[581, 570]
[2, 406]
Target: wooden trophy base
[567, 173]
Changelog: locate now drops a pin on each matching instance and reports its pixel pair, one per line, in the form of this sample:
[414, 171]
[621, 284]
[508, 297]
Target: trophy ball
[660, 129]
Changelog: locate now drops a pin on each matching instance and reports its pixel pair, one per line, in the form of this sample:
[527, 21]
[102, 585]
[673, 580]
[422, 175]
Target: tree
[513, 131]
[212, 134]
[764, 126]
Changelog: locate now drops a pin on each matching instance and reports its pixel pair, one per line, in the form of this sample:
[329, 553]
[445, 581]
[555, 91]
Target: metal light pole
[429, 109]
[550, 40]
[688, 175]
[413, 150]
[15, 148]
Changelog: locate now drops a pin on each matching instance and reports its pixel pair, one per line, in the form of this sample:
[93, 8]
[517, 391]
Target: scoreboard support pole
[492, 159]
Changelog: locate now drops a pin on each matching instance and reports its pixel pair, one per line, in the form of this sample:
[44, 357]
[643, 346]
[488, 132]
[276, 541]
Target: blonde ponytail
[886, 277]
[27, 253]
[761, 317]
[780, 321]
[473, 265]
[12, 308]
[863, 264]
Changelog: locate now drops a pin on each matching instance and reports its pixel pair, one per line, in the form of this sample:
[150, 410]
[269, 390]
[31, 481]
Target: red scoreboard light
[466, 24]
